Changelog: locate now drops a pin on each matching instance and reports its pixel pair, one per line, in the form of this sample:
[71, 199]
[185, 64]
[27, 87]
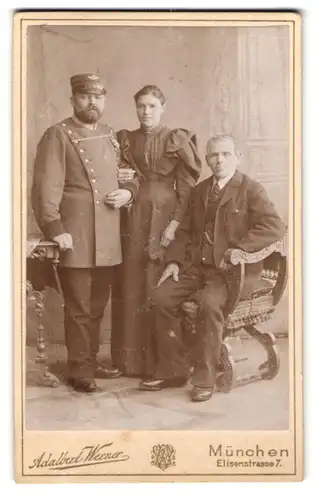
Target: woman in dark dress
[167, 165]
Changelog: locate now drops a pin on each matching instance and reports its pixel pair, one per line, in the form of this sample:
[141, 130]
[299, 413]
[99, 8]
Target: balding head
[220, 138]
[222, 156]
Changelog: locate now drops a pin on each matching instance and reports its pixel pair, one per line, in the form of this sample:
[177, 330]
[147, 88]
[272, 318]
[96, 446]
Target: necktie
[214, 192]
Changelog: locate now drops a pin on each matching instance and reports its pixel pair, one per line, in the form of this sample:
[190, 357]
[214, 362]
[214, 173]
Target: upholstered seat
[246, 308]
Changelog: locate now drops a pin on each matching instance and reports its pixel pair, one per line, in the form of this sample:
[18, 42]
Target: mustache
[92, 108]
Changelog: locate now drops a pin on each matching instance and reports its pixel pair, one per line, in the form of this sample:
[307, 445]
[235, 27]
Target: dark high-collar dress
[167, 166]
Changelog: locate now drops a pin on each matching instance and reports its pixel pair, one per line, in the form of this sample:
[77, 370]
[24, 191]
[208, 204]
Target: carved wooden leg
[46, 378]
[226, 377]
[270, 367]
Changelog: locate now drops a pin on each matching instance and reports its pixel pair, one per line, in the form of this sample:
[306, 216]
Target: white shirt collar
[223, 182]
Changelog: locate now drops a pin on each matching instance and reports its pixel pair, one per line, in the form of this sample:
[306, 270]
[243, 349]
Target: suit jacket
[245, 219]
[75, 168]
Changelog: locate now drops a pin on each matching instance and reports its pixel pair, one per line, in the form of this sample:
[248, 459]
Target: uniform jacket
[75, 168]
[245, 219]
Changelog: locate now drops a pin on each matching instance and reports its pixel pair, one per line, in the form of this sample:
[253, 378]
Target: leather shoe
[199, 394]
[103, 372]
[83, 385]
[158, 385]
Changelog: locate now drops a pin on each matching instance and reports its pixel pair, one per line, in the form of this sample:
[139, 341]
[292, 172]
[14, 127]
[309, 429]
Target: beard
[89, 115]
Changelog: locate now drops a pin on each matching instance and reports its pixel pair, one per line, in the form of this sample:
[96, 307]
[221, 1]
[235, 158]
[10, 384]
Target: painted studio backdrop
[230, 80]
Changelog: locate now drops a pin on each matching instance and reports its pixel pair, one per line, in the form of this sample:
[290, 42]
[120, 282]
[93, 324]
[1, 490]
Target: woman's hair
[152, 90]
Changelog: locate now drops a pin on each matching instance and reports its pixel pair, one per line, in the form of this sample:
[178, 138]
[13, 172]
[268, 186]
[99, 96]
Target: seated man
[227, 210]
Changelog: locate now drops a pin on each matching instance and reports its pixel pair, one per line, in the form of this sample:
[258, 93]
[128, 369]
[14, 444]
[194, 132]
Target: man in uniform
[76, 199]
[227, 210]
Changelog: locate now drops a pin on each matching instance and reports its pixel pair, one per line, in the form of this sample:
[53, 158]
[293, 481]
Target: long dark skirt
[133, 348]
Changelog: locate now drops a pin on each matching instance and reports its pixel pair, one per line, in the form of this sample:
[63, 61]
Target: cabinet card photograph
[157, 237]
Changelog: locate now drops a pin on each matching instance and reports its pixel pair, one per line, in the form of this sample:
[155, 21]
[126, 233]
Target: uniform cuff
[131, 186]
[52, 229]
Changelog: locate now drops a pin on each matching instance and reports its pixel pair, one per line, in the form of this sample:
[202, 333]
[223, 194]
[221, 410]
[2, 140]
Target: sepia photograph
[157, 221]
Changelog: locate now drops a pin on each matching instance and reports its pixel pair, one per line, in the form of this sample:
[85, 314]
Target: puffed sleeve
[123, 140]
[48, 182]
[182, 144]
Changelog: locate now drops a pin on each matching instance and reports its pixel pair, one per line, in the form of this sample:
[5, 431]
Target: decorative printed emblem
[163, 456]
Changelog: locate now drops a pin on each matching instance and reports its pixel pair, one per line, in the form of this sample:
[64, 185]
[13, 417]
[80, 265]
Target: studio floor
[261, 405]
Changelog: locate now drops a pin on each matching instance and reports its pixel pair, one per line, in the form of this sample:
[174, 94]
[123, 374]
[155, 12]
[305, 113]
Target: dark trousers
[172, 353]
[86, 293]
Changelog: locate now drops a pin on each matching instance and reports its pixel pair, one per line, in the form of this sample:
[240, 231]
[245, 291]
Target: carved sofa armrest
[236, 276]
[238, 258]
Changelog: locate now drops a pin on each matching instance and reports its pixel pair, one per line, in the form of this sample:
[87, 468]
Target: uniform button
[96, 191]
[63, 124]
[97, 202]
[81, 150]
[86, 160]
[93, 180]
[91, 170]
[203, 258]
[70, 131]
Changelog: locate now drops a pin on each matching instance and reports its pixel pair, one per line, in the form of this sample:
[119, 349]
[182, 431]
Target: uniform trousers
[172, 353]
[86, 292]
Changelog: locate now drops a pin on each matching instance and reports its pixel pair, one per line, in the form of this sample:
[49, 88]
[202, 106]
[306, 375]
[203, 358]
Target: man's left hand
[118, 198]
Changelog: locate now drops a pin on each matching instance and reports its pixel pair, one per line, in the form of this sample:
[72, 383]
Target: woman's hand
[125, 174]
[169, 233]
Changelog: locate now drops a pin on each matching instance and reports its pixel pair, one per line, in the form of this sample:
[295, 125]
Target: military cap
[87, 83]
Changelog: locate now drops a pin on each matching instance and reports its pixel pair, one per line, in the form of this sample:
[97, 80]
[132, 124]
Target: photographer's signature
[88, 455]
